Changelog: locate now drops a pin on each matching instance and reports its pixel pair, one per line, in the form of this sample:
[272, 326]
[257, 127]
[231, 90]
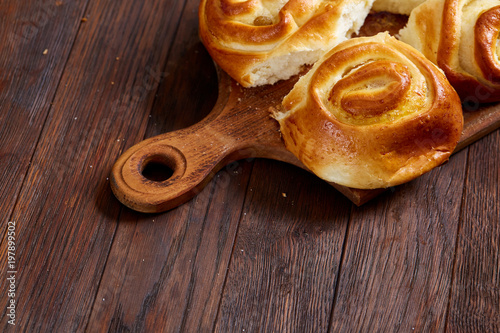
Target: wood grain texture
[28, 81]
[398, 260]
[287, 253]
[423, 255]
[66, 215]
[178, 285]
[475, 293]
[168, 270]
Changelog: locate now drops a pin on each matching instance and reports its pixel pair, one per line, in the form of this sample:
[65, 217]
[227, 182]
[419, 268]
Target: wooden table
[265, 247]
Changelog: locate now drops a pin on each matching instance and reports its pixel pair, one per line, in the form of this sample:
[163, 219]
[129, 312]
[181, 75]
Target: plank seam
[457, 237]
[44, 123]
[143, 135]
[103, 270]
[233, 247]
[165, 65]
[192, 284]
[339, 270]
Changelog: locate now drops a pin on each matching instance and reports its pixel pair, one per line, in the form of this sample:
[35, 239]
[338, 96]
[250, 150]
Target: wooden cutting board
[239, 127]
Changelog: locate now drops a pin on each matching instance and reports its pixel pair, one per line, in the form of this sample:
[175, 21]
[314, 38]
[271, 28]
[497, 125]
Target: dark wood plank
[398, 262]
[65, 214]
[189, 89]
[276, 254]
[28, 80]
[36, 39]
[287, 253]
[479, 123]
[168, 270]
[475, 293]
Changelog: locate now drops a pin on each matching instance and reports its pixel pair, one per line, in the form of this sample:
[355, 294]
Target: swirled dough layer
[260, 42]
[462, 38]
[396, 6]
[371, 113]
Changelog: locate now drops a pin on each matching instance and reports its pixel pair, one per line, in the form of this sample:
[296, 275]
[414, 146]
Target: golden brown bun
[461, 37]
[259, 42]
[396, 6]
[371, 113]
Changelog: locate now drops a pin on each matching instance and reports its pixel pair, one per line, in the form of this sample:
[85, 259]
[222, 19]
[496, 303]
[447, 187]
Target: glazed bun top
[260, 42]
[371, 113]
[461, 37]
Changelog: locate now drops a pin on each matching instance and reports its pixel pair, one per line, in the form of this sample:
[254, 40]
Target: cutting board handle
[239, 127]
[179, 153]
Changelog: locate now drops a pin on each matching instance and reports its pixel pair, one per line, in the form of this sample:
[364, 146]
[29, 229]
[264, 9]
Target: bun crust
[396, 6]
[461, 37]
[259, 42]
[371, 113]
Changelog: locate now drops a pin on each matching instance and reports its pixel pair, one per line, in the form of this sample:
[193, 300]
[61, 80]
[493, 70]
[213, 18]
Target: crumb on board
[45, 51]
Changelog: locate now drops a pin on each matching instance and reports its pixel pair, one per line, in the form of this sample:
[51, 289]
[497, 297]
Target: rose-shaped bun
[461, 37]
[396, 6]
[259, 42]
[371, 113]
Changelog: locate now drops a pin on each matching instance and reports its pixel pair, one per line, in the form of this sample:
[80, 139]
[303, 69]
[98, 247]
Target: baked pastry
[396, 6]
[461, 37]
[371, 113]
[260, 42]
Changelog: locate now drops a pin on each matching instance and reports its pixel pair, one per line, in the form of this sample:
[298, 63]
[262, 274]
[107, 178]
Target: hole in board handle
[157, 172]
[158, 168]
